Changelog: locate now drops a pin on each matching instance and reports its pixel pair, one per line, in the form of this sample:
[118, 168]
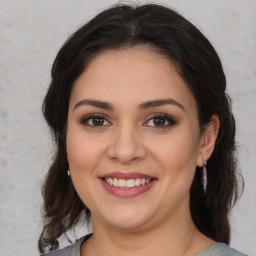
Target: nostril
[126, 153]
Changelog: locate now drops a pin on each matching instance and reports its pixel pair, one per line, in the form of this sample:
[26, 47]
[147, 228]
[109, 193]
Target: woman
[145, 139]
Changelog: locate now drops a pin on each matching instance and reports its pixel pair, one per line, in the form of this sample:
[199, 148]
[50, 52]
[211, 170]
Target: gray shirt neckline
[217, 249]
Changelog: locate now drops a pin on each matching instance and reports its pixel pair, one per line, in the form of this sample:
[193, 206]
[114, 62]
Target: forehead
[130, 76]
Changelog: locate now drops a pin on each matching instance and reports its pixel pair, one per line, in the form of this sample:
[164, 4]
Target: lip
[127, 176]
[127, 192]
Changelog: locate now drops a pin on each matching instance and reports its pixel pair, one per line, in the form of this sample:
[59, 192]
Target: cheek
[177, 155]
[83, 151]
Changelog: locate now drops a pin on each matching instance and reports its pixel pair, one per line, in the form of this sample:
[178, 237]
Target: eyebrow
[95, 103]
[143, 106]
[158, 103]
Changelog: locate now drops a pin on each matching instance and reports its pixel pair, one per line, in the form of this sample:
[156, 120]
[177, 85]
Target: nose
[126, 146]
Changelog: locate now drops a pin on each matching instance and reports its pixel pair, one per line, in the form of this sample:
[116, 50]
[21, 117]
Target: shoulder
[220, 249]
[71, 250]
[62, 252]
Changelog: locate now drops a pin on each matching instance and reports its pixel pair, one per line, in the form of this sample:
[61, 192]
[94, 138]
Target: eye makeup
[161, 121]
[95, 120]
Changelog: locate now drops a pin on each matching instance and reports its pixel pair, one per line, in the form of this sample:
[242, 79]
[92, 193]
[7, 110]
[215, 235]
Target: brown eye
[95, 121]
[159, 121]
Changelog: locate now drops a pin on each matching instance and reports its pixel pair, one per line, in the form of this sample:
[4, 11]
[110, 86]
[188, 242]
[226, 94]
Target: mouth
[127, 184]
[130, 183]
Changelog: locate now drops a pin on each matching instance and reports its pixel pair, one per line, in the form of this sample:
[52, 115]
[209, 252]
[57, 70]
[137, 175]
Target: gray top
[218, 249]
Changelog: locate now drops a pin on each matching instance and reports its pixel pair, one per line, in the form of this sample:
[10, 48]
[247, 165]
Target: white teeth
[115, 182]
[137, 182]
[130, 183]
[121, 183]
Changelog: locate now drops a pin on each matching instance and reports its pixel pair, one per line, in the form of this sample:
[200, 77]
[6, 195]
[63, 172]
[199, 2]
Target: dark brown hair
[171, 35]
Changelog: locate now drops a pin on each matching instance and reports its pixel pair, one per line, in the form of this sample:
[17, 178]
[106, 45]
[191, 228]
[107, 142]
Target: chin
[128, 224]
[125, 219]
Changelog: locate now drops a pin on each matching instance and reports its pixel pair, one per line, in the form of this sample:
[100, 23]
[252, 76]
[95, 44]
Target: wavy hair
[171, 35]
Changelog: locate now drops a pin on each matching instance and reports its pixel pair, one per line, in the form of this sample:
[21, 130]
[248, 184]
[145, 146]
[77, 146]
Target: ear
[208, 139]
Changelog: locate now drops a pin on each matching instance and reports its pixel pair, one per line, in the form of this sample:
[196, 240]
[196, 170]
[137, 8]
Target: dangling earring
[204, 177]
[68, 172]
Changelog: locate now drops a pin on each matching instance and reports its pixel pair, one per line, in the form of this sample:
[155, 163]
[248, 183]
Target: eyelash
[86, 119]
[171, 121]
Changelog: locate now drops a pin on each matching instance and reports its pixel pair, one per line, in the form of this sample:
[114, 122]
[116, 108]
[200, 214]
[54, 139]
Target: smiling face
[133, 139]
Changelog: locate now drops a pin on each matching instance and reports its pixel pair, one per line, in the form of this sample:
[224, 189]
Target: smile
[131, 183]
[127, 184]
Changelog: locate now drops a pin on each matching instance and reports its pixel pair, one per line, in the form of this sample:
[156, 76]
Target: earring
[204, 177]
[68, 172]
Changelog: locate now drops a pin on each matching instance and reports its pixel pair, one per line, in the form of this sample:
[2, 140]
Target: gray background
[31, 32]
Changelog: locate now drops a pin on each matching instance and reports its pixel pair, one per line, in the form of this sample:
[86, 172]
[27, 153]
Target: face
[133, 139]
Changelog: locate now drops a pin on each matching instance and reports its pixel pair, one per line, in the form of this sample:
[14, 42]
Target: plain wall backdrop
[31, 33]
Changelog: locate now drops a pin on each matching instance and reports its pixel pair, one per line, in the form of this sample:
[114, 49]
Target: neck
[169, 238]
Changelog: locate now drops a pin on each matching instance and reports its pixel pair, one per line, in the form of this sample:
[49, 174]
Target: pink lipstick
[127, 184]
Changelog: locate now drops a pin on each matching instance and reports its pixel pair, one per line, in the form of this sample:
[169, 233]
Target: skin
[127, 139]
